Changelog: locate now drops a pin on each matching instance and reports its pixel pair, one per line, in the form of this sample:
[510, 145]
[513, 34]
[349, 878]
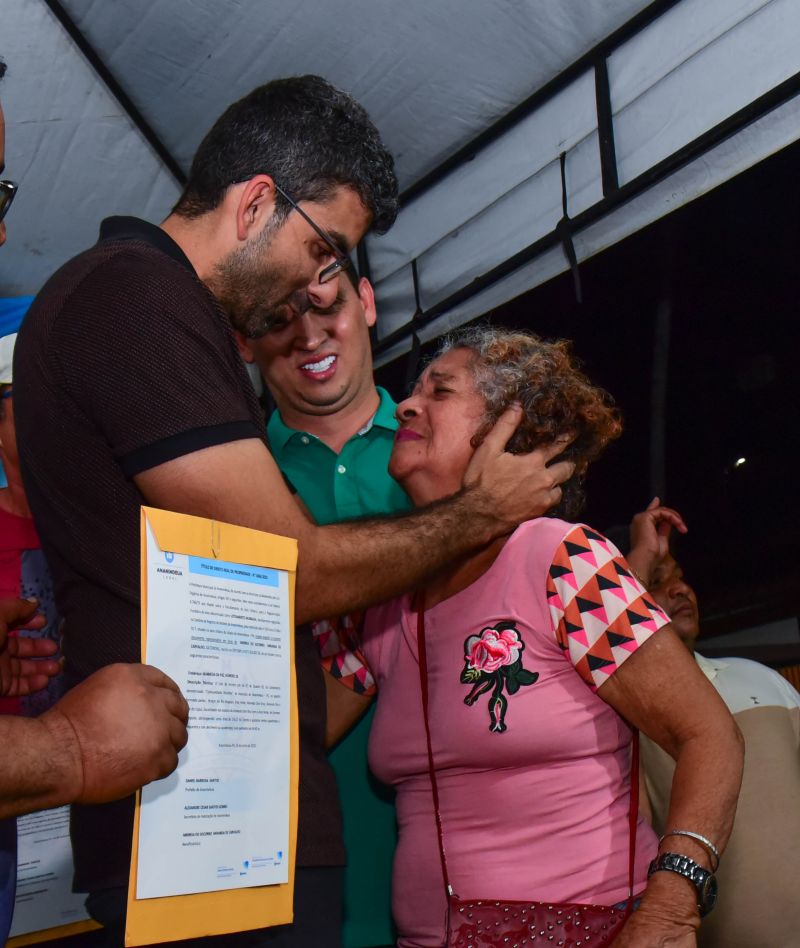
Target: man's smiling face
[320, 361]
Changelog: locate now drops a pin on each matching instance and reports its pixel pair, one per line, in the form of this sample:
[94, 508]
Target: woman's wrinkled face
[432, 447]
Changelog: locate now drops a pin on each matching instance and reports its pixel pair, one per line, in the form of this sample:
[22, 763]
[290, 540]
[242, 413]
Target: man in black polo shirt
[130, 389]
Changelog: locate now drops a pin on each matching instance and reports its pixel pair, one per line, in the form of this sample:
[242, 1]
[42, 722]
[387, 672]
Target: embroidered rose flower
[492, 663]
[492, 649]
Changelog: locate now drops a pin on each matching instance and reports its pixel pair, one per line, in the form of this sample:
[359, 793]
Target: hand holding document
[217, 618]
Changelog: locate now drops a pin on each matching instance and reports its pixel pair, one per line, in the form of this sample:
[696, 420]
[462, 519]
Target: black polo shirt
[125, 361]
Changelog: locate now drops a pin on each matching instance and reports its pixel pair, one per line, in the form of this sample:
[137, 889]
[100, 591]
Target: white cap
[7, 358]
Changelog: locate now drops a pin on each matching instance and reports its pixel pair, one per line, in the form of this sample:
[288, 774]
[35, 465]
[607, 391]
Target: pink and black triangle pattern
[601, 613]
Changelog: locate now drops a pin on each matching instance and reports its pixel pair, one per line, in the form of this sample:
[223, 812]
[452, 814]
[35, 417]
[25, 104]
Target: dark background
[723, 273]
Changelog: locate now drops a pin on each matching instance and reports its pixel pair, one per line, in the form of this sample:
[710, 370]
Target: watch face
[708, 894]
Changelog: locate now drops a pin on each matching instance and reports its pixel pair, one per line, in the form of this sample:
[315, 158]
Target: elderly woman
[543, 651]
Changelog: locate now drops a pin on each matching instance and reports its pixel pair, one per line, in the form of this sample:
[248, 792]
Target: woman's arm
[349, 685]
[345, 708]
[661, 690]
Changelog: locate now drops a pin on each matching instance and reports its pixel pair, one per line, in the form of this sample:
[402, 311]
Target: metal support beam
[755, 110]
[605, 128]
[602, 51]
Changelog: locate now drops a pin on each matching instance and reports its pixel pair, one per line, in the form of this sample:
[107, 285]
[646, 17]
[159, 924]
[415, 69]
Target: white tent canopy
[650, 105]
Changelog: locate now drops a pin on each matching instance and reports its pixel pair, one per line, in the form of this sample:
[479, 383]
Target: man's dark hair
[3, 68]
[309, 136]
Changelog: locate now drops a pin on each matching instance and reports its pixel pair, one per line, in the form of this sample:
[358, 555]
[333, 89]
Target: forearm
[345, 708]
[705, 788]
[704, 793]
[42, 765]
[642, 562]
[661, 690]
[350, 566]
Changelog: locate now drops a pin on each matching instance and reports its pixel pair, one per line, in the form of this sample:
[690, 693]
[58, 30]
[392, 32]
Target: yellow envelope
[216, 913]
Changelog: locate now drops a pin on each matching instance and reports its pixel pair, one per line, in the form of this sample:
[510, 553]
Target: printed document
[221, 630]
[44, 874]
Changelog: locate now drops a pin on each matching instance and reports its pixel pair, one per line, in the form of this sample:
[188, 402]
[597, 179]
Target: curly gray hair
[557, 398]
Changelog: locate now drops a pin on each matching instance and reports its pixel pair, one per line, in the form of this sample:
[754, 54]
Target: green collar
[280, 434]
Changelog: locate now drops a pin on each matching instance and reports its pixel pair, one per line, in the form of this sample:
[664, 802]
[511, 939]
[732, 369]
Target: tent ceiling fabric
[433, 77]
[75, 154]
[673, 82]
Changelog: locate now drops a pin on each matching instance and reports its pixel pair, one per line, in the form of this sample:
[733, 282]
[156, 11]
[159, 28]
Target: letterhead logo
[169, 557]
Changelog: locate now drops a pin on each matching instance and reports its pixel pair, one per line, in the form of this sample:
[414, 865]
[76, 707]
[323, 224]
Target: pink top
[533, 767]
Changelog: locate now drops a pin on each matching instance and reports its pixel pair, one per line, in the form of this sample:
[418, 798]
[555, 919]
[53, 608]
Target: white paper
[221, 821]
[44, 874]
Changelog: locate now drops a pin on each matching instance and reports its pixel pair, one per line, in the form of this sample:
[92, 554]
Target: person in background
[118, 731]
[332, 434]
[758, 904]
[23, 568]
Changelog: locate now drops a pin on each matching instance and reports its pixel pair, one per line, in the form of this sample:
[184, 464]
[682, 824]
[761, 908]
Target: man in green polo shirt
[333, 430]
[331, 435]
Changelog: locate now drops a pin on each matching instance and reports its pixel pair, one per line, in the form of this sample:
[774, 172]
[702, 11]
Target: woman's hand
[667, 917]
[649, 533]
[643, 931]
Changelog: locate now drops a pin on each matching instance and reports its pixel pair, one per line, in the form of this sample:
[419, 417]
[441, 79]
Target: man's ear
[367, 296]
[244, 347]
[255, 205]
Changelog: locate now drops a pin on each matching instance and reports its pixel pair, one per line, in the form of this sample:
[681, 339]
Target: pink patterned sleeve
[601, 613]
[338, 643]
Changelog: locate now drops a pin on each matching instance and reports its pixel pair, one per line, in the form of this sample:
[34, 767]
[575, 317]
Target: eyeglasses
[7, 191]
[342, 260]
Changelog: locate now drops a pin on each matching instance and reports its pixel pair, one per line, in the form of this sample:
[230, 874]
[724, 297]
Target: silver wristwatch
[705, 882]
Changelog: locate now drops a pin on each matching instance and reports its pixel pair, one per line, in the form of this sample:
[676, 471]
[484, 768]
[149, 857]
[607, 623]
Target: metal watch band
[704, 881]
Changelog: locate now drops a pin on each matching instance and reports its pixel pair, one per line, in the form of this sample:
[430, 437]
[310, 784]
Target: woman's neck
[462, 574]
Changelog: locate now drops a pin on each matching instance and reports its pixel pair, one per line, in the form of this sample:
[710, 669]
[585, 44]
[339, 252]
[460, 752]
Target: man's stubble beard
[245, 282]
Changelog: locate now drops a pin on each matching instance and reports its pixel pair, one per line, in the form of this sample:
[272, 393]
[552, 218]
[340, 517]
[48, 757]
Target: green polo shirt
[354, 483]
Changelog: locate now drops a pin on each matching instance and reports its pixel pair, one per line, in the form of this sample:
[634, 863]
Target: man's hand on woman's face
[517, 487]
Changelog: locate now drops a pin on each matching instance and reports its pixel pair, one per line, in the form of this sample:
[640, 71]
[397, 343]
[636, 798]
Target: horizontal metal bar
[758, 108]
[586, 62]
